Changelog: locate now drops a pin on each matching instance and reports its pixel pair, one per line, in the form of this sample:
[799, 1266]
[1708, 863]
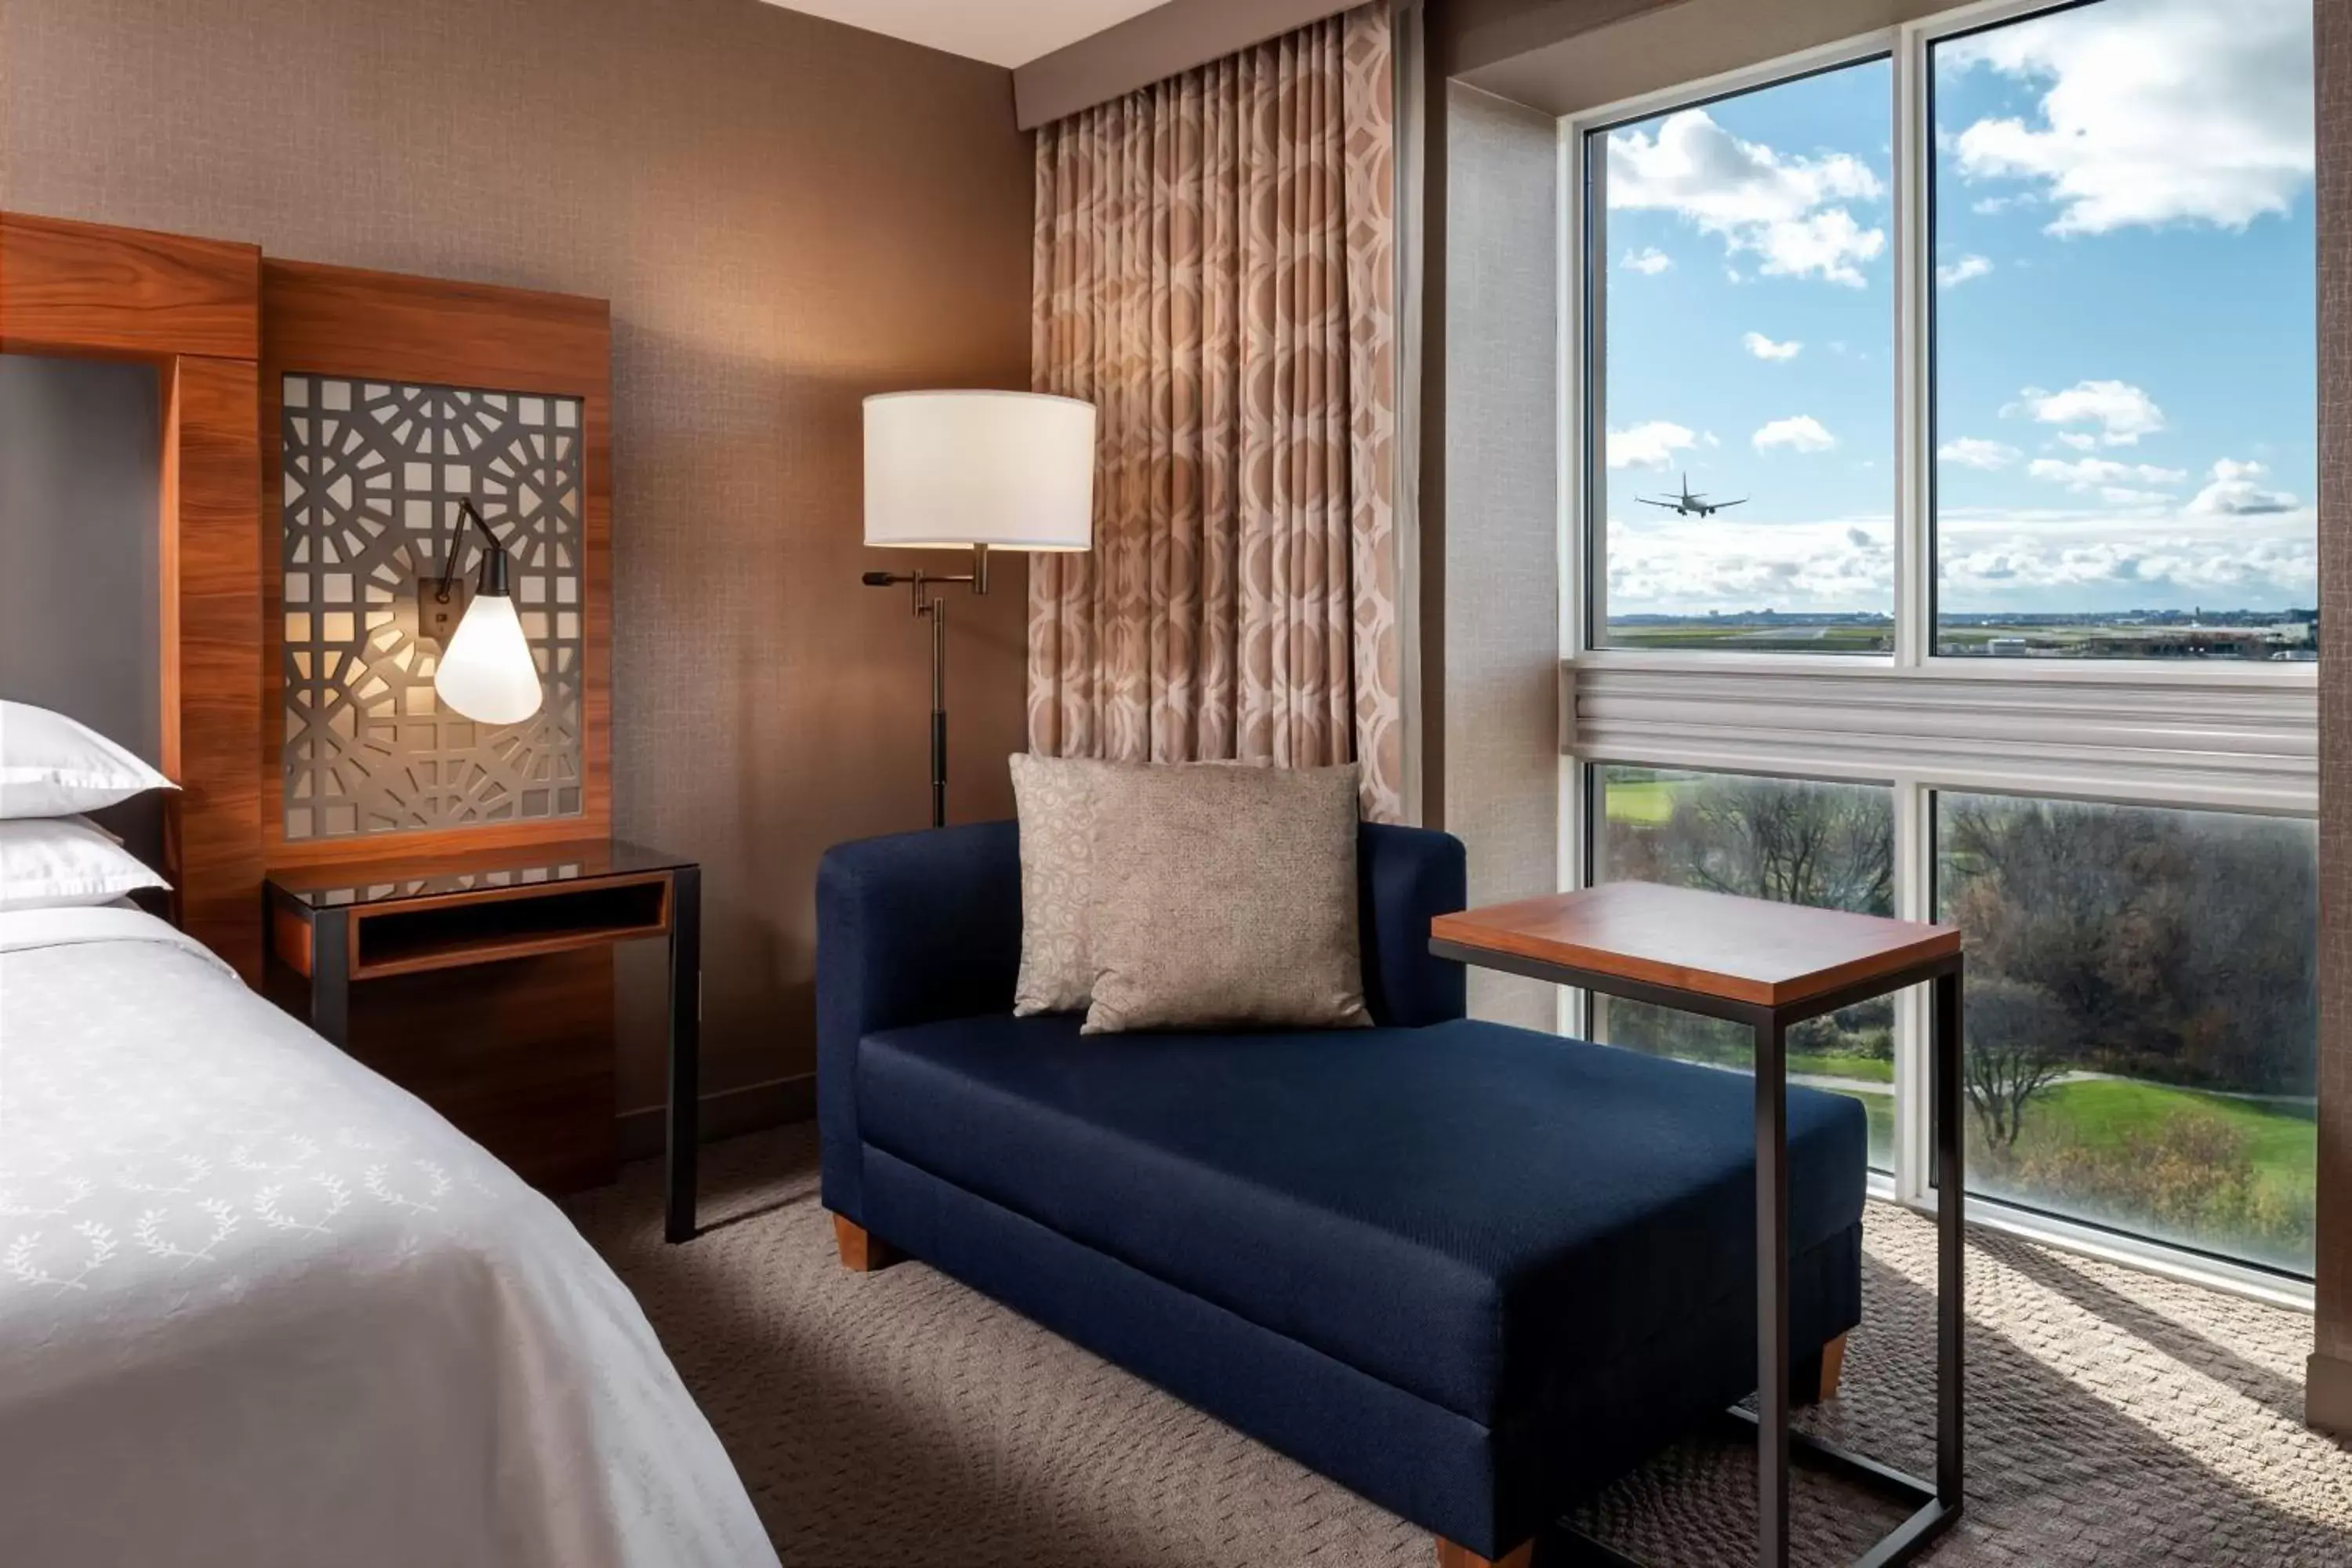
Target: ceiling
[1001, 32]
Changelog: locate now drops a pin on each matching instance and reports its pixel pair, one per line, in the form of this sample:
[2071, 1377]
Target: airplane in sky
[1690, 505]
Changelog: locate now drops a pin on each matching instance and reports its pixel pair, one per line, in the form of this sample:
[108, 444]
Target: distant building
[2006, 647]
[2184, 642]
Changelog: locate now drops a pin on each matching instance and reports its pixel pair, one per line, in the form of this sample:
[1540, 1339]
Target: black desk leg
[1771, 1293]
[330, 976]
[682, 1125]
[1944, 1048]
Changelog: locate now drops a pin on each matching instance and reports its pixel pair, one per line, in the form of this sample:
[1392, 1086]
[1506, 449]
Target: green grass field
[1648, 803]
[2102, 1113]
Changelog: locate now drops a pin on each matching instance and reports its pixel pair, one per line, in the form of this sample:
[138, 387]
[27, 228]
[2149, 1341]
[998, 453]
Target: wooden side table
[1768, 966]
[337, 926]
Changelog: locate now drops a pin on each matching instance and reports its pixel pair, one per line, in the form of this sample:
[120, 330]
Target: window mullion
[1914, 900]
[1915, 456]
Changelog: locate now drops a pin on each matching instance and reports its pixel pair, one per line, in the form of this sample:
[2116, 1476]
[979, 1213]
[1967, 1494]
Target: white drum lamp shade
[1012, 470]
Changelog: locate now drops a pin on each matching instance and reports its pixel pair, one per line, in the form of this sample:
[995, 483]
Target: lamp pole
[927, 604]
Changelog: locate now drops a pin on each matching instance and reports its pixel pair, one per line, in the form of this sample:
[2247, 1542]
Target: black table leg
[682, 1125]
[1771, 1293]
[1951, 1195]
[330, 976]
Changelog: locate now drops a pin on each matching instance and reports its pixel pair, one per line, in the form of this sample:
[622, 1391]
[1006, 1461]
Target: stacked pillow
[51, 771]
[1188, 897]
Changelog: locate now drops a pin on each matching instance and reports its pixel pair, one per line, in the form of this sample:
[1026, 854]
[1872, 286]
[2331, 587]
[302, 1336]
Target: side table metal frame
[1935, 1505]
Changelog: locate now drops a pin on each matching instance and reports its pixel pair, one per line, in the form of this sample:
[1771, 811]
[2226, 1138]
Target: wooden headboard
[223, 327]
[191, 308]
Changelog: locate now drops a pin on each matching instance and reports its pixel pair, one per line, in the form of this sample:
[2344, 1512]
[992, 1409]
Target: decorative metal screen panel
[373, 474]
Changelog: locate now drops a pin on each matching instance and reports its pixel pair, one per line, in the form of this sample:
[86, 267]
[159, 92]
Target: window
[1999, 329]
[1793, 840]
[1747, 443]
[2141, 1016]
[2125, 381]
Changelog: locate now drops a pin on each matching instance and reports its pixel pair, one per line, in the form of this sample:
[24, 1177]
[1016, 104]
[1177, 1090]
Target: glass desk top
[395, 880]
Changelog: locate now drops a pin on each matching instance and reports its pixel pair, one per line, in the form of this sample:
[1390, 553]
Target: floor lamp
[987, 470]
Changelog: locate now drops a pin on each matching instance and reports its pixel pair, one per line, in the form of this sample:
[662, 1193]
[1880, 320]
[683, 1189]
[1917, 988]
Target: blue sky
[2125, 390]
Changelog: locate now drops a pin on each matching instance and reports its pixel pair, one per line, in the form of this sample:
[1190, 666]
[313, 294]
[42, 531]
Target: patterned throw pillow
[1224, 897]
[1054, 797]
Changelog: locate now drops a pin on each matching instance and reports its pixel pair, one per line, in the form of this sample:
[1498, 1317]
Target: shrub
[2190, 1176]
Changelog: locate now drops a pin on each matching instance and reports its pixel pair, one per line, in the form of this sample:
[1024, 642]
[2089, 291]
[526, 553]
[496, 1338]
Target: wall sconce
[486, 671]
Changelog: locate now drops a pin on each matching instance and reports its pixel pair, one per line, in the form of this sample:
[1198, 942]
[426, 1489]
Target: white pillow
[51, 766]
[64, 862]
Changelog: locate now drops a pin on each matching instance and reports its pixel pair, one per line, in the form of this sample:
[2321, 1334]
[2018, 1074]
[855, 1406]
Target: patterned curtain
[1215, 271]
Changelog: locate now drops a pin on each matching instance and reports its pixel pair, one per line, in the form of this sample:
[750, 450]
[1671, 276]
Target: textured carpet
[899, 1418]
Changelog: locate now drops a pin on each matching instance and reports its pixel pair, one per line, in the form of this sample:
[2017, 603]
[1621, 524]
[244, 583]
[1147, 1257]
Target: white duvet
[259, 1306]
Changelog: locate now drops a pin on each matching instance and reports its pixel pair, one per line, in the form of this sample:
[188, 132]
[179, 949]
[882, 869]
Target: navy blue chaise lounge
[1472, 1272]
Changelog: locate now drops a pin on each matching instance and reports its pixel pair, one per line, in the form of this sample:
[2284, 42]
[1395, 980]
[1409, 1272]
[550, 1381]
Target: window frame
[1582, 403]
[2229, 736]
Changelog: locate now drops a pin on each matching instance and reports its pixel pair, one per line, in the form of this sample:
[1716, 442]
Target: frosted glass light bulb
[487, 672]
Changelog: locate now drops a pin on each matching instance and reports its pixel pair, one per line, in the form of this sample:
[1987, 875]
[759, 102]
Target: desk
[335, 926]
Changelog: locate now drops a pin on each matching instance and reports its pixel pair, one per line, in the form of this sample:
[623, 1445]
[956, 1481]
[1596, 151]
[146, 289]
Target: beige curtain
[1215, 271]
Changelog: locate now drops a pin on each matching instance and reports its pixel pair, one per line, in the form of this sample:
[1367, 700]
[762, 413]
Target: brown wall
[786, 213]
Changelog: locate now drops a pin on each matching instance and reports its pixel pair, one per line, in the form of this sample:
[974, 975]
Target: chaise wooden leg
[1815, 1377]
[861, 1253]
[1451, 1556]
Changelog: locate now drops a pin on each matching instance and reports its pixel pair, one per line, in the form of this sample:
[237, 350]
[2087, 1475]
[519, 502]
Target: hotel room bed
[258, 1305]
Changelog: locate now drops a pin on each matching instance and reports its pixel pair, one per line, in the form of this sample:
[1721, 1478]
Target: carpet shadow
[2059, 1472]
[2060, 1275]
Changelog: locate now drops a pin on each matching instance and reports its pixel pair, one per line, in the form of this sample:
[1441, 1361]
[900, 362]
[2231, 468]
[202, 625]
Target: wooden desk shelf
[455, 929]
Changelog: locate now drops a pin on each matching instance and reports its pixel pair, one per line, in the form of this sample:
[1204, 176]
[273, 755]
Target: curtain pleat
[1215, 271]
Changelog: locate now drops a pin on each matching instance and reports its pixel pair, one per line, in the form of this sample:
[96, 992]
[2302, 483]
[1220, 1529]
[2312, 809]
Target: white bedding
[259, 1307]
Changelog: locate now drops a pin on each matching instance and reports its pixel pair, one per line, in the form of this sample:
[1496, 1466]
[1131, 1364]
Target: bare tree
[2014, 1038]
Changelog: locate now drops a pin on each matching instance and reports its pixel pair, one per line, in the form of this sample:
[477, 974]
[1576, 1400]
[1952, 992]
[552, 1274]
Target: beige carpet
[899, 1418]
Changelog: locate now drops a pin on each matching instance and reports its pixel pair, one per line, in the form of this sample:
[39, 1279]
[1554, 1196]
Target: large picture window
[1790, 840]
[2126, 391]
[2143, 1014]
[1979, 353]
[1748, 442]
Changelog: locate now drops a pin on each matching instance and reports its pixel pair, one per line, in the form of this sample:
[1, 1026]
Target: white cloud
[1649, 261]
[2232, 492]
[1798, 433]
[1763, 347]
[2084, 475]
[2153, 112]
[1787, 210]
[2100, 558]
[2122, 412]
[2125, 560]
[1951, 274]
[2080, 440]
[1650, 446]
[1692, 566]
[1974, 452]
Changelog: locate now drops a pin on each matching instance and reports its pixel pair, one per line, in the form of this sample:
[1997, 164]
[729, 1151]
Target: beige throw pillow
[1224, 897]
[1054, 797]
